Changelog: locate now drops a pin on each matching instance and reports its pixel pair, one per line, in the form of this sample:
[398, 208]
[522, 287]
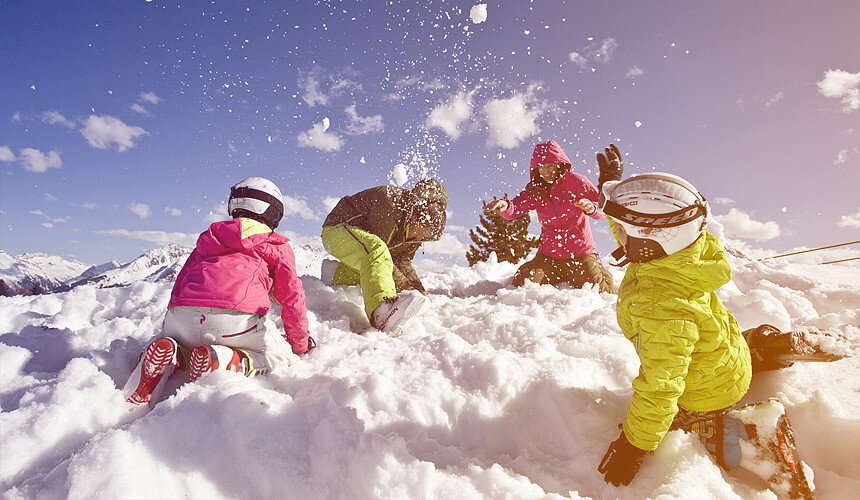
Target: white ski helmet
[661, 213]
[257, 198]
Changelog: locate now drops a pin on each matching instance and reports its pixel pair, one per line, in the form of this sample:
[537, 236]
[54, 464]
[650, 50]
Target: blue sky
[123, 124]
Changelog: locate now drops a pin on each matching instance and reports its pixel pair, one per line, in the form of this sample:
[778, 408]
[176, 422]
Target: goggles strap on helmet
[640, 219]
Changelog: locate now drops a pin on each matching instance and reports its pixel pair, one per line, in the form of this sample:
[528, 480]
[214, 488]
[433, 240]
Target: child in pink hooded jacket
[564, 201]
[217, 317]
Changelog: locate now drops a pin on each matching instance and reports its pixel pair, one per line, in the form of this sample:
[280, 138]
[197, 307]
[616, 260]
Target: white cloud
[842, 85]
[6, 154]
[739, 224]
[149, 97]
[142, 210]
[603, 52]
[55, 118]
[137, 108]
[34, 160]
[450, 114]
[105, 130]
[49, 197]
[722, 201]
[578, 59]
[448, 244]
[88, 206]
[841, 157]
[312, 94]
[360, 125]
[775, 99]
[511, 121]
[850, 220]
[318, 137]
[175, 212]
[635, 71]
[329, 202]
[218, 213]
[158, 237]
[16, 117]
[478, 13]
[296, 206]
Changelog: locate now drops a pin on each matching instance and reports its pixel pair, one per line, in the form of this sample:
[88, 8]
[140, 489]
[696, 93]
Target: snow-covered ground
[491, 392]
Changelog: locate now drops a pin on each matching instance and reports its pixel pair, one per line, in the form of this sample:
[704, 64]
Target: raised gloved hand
[621, 462]
[611, 166]
[497, 205]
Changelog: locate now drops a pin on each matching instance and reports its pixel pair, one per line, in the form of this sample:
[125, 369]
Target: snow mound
[490, 392]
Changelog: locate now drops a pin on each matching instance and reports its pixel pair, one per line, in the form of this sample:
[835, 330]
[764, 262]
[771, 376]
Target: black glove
[611, 166]
[621, 462]
[311, 344]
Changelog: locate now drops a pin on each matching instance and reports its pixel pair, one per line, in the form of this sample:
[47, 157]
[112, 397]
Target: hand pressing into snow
[586, 206]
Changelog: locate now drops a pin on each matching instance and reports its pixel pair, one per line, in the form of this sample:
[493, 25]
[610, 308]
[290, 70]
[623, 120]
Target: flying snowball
[637, 123]
[478, 14]
[400, 175]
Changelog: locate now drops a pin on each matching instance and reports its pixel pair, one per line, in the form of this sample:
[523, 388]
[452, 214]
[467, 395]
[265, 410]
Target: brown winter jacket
[385, 211]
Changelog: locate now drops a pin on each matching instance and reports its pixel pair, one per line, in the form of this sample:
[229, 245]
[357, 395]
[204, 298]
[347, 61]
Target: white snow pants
[256, 335]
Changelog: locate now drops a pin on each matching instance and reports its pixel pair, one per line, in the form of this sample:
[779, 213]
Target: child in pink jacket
[217, 317]
[564, 201]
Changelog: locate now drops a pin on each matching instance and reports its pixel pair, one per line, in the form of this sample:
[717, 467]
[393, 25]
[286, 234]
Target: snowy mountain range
[56, 274]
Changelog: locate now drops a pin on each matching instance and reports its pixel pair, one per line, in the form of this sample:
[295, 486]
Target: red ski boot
[157, 363]
[208, 358]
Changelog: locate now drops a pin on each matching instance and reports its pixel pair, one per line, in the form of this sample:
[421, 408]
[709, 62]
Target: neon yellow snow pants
[364, 261]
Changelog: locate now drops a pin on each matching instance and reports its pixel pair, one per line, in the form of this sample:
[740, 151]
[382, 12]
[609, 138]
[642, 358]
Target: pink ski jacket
[229, 271]
[565, 230]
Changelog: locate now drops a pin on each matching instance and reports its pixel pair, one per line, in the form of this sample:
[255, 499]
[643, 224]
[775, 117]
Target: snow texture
[490, 392]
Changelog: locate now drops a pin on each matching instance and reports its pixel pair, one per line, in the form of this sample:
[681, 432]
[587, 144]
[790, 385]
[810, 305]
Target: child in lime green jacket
[695, 361]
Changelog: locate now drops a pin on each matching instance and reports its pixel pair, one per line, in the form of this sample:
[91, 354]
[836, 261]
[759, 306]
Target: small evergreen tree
[4, 289]
[509, 239]
[37, 288]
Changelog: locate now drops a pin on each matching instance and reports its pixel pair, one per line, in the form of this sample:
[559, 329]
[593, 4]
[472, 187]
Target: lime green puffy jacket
[690, 347]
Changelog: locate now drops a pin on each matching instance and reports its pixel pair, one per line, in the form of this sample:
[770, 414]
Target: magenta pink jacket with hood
[227, 271]
[565, 230]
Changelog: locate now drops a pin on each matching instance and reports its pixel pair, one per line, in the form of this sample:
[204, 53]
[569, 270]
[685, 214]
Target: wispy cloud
[775, 99]
[104, 131]
[360, 125]
[142, 210]
[318, 137]
[34, 160]
[158, 237]
[594, 52]
[320, 86]
[6, 154]
[137, 108]
[174, 212]
[635, 71]
[510, 121]
[450, 114]
[850, 220]
[578, 59]
[149, 97]
[739, 224]
[56, 118]
[841, 85]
